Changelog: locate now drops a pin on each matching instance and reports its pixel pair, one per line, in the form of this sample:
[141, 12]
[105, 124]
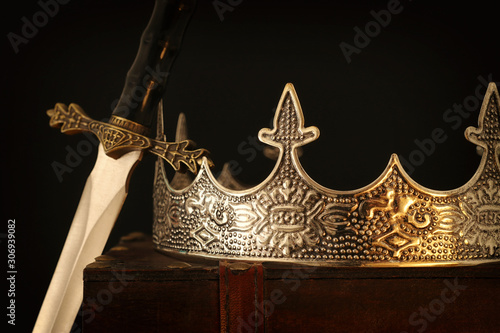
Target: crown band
[289, 217]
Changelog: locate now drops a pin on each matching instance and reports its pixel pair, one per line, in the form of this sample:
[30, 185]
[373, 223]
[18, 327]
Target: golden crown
[289, 217]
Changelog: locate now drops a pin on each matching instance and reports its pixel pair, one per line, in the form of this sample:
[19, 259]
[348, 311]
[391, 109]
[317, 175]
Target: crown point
[181, 132]
[396, 162]
[205, 164]
[160, 125]
[288, 130]
[487, 133]
[290, 217]
[289, 86]
[492, 86]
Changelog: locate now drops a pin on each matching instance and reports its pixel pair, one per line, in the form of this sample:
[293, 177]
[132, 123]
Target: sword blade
[102, 199]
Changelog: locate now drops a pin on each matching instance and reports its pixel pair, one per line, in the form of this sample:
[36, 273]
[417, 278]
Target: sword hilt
[118, 140]
[130, 123]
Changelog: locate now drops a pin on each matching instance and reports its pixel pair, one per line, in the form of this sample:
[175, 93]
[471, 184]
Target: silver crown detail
[289, 217]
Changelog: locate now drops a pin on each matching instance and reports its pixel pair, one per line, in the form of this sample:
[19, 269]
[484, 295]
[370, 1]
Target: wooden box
[133, 288]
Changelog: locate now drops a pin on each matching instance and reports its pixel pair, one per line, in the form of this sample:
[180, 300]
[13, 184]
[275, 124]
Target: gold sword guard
[121, 136]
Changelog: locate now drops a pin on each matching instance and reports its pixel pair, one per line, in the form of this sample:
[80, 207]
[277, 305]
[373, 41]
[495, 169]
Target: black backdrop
[228, 79]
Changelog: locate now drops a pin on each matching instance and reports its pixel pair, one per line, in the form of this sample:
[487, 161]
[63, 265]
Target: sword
[123, 141]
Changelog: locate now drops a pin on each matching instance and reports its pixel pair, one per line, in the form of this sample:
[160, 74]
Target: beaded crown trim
[289, 217]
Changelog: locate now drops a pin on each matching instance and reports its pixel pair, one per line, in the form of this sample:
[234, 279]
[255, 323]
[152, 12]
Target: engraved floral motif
[289, 217]
[403, 217]
[334, 216]
[215, 212]
[211, 208]
[394, 209]
[294, 216]
[482, 208]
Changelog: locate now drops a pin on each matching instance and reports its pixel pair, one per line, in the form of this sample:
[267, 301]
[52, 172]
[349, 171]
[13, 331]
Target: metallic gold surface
[128, 124]
[289, 217]
[122, 136]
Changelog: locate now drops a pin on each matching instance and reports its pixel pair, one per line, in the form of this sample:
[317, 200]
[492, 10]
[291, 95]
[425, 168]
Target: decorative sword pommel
[121, 136]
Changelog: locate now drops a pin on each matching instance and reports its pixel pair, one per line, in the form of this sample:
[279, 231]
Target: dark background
[228, 79]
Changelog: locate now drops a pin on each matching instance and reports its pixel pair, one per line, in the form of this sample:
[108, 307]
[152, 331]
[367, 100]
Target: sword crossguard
[121, 136]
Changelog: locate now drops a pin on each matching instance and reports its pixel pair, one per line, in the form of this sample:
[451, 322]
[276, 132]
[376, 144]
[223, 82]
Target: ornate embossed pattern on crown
[393, 221]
